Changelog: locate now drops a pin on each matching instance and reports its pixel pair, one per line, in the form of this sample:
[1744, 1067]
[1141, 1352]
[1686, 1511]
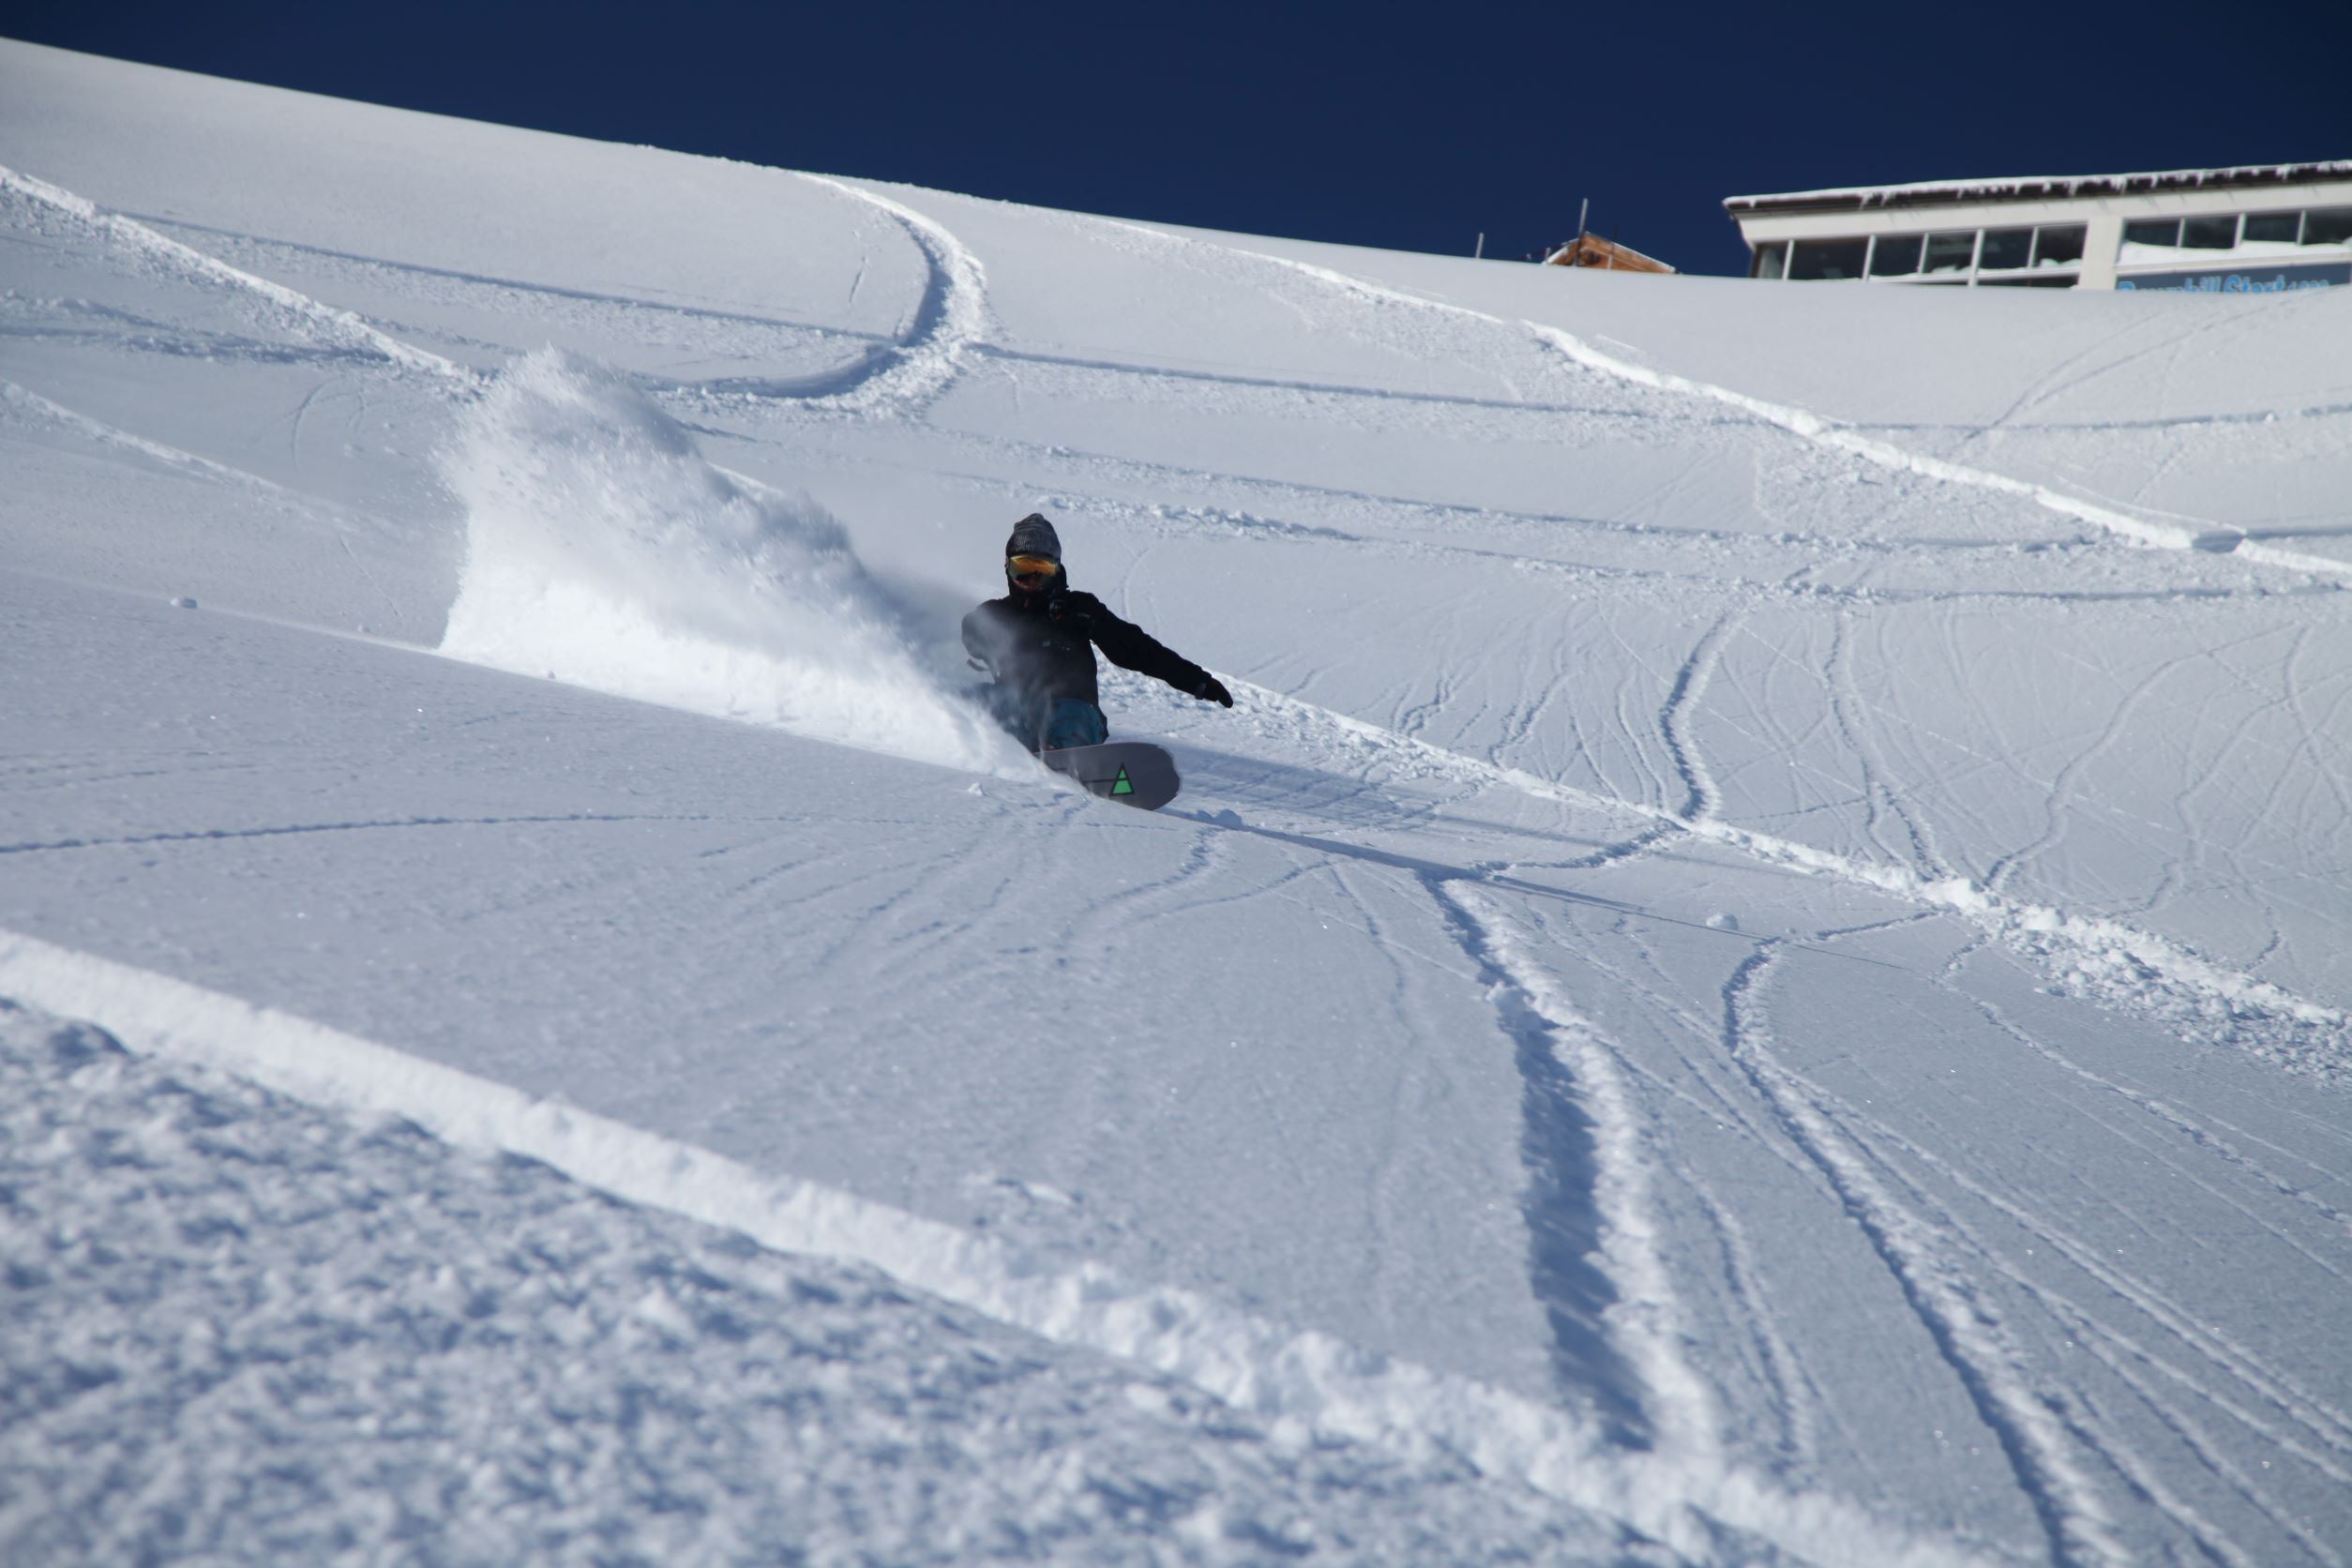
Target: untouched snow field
[1762, 972]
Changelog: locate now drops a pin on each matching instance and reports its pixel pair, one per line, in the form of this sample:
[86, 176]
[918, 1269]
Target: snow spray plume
[604, 550]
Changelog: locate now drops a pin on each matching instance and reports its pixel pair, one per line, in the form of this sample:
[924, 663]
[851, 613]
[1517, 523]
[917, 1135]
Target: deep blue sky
[1407, 127]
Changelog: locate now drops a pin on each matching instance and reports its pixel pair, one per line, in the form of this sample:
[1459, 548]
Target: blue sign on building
[2244, 279]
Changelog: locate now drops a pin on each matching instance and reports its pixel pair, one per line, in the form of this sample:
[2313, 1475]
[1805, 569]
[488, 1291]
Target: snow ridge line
[951, 323]
[345, 327]
[1309, 1378]
[1824, 431]
[2101, 941]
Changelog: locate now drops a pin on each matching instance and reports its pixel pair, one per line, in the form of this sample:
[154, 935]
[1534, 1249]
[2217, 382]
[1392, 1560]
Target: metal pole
[1480, 254]
[1582, 213]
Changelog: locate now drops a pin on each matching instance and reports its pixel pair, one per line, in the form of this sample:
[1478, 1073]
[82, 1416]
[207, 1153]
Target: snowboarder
[1039, 640]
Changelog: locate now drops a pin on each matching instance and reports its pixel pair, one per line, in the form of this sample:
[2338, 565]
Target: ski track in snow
[1646, 1318]
[1683, 1495]
[296, 829]
[951, 321]
[342, 519]
[1939, 1264]
[342, 329]
[2114, 958]
[1118, 474]
[1822, 432]
[36, 406]
[2030, 1421]
[951, 328]
[2312, 1431]
[950, 324]
[1704, 800]
[1944, 1269]
[2264, 1399]
[950, 317]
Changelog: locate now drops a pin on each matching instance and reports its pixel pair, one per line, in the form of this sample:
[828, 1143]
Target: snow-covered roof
[2043, 188]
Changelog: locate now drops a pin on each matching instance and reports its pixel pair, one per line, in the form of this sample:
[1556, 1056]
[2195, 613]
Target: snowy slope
[1761, 968]
[267, 1333]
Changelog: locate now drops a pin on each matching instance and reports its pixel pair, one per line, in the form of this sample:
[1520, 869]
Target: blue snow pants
[1044, 725]
[1074, 721]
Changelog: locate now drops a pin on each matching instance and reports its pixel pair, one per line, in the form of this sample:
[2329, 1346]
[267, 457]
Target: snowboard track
[2029, 1423]
[1560, 1145]
[2086, 947]
[342, 329]
[1827, 434]
[950, 324]
[902, 377]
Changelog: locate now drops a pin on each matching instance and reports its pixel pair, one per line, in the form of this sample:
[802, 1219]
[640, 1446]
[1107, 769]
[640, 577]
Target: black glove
[1211, 689]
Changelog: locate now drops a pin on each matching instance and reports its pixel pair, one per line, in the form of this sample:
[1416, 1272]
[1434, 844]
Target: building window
[2050, 280]
[2276, 226]
[2153, 230]
[1822, 258]
[1951, 253]
[2059, 244]
[2005, 250]
[1771, 261]
[2209, 234]
[1895, 255]
[2328, 226]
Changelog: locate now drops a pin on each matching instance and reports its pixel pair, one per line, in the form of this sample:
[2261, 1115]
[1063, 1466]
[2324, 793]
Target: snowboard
[1133, 773]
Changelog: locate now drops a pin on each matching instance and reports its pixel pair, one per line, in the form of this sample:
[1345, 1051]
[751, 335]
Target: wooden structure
[1591, 249]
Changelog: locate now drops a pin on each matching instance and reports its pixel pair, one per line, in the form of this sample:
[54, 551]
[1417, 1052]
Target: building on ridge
[2264, 228]
[1591, 249]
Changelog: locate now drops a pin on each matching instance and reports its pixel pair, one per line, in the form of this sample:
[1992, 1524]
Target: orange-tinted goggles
[1022, 568]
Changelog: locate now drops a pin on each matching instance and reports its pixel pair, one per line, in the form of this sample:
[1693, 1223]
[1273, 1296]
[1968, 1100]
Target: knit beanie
[1033, 536]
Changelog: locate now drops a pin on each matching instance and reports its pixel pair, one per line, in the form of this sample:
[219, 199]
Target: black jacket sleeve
[1130, 647]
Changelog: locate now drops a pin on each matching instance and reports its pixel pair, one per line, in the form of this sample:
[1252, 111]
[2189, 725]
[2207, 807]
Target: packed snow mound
[604, 550]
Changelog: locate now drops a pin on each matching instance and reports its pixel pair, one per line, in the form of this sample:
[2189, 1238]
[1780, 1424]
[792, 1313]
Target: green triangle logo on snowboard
[1134, 774]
